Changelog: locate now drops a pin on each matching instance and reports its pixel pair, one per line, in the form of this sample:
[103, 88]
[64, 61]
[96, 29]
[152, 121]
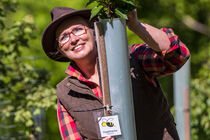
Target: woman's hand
[108, 138]
[132, 21]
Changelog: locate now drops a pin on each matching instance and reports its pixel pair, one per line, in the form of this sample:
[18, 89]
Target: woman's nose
[73, 39]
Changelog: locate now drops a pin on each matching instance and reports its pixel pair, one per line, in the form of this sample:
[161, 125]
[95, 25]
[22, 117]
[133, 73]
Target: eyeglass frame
[69, 33]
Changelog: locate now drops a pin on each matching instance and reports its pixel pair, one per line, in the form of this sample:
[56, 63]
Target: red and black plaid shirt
[154, 63]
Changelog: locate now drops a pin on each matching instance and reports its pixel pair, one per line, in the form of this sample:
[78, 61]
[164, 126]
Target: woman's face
[76, 40]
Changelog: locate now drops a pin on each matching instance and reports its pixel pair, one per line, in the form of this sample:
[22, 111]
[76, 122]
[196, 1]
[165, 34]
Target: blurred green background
[190, 19]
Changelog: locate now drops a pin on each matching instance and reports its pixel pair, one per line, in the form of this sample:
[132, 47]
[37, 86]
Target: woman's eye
[78, 29]
[64, 38]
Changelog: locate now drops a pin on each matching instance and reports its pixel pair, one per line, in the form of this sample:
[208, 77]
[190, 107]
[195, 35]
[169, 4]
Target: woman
[70, 37]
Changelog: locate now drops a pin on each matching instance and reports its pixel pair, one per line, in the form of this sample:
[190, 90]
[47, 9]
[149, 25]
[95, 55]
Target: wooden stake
[103, 67]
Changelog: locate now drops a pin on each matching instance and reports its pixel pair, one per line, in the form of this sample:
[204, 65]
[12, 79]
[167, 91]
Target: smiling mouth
[77, 47]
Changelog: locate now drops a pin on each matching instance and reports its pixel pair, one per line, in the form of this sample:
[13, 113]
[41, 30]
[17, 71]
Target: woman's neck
[90, 69]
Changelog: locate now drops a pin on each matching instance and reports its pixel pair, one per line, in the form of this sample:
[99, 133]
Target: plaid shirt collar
[74, 71]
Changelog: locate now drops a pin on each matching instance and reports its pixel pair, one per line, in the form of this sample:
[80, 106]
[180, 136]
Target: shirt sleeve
[67, 126]
[162, 63]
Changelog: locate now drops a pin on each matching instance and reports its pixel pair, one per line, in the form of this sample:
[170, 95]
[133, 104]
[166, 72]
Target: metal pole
[181, 97]
[116, 45]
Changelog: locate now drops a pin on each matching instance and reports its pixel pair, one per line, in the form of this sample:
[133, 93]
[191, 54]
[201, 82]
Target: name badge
[109, 126]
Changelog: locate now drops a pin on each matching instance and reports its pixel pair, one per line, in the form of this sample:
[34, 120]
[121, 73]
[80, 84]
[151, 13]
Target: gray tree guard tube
[116, 46]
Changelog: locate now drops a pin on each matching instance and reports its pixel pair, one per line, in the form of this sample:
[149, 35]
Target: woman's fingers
[108, 138]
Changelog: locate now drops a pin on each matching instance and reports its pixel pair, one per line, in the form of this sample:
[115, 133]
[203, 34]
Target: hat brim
[48, 39]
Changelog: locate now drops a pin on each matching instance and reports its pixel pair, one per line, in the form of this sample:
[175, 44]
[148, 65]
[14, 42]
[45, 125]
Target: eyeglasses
[65, 37]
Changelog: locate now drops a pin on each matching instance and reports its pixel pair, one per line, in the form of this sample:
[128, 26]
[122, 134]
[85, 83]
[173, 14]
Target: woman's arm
[154, 37]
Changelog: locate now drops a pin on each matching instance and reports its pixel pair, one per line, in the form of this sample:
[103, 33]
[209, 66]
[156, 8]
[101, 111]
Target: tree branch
[195, 25]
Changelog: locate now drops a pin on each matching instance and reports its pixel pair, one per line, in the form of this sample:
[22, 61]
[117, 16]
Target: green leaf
[29, 123]
[89, 2]
[127, 6]
[37, 111]
[129, 2]
[38, 129]
[29, 19]
[95, 11]
[118, 12]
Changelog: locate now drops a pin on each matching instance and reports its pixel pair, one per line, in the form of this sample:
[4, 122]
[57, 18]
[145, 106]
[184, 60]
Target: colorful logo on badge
[108, 123]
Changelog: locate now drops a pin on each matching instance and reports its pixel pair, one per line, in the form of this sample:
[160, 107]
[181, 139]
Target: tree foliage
[24, 89]
[111, 8]
[188, 18]
[190, 21]
[200, 103]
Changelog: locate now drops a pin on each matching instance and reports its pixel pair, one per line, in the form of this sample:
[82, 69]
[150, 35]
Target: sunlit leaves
[111, 8]
[24, 89]
[119, 13]
[95, 11]
[200, 103]
[90, 1]
[5, 7]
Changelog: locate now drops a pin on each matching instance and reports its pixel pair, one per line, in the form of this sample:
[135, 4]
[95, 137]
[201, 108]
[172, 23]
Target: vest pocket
[86, 119]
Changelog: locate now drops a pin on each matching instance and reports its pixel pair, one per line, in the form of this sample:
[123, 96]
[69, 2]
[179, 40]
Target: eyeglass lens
[77, 31]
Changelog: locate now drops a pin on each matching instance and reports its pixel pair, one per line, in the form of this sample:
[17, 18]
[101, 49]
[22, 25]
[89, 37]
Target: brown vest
[152, 112]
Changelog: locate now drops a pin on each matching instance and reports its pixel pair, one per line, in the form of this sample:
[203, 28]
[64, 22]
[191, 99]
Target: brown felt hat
[58, 14]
